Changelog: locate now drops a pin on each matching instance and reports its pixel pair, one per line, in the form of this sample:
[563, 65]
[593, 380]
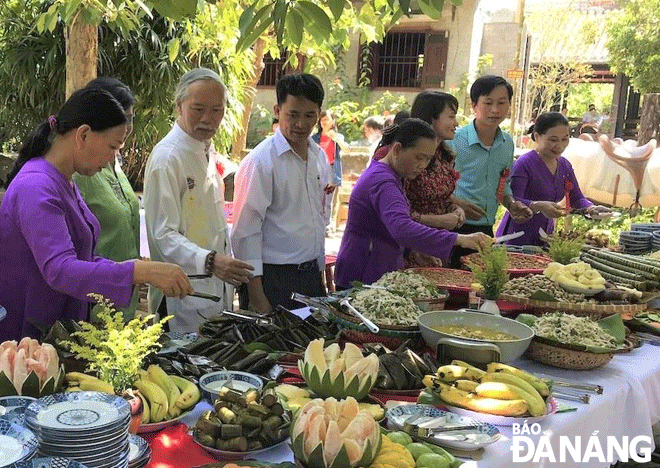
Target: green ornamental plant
[114, 349]
[492, 276]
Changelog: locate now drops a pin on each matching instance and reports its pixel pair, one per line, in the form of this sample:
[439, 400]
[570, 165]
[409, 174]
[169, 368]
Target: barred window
[406, 59]
[273, 70]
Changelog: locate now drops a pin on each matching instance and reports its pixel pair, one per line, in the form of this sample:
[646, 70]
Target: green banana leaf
[612, 324]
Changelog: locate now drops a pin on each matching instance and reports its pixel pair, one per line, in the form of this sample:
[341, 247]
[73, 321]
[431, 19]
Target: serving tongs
[373, 328]
[582, 398]
[598, 389]
[257, 320]
[316, 304]
[417, 426]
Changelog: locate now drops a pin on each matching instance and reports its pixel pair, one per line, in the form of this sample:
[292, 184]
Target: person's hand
[472, 211]
[331, 134]
[550, 209]
[167, 277]
[474, 241]
[231, 270]
[461, 215]
[446, 221]
[424, 260]
[520, 212]
[257, 298]
[598, 210]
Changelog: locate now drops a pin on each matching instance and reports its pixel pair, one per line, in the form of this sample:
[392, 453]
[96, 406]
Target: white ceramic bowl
[212, 382]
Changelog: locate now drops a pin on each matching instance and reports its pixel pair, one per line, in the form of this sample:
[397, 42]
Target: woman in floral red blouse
[431, 193]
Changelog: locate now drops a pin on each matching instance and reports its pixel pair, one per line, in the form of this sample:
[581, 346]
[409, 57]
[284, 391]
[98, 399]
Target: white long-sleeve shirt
[280, 205]
[183, 203]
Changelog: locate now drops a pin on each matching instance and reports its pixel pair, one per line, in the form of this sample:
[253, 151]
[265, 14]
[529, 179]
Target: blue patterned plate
[16, 416]
[138, 447]
[12, 402]
[49, 462]
[77, 411]
[16, 443]
[477, 436]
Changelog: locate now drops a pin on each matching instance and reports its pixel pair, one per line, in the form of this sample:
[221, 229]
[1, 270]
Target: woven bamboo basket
[566, 358]
[392, 336]
[583, 309]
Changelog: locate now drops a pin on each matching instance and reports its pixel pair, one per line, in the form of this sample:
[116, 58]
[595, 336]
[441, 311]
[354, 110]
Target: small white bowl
[212, 382]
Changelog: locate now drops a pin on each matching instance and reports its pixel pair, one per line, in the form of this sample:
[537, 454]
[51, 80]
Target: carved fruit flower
[330, 372]
[334, 434]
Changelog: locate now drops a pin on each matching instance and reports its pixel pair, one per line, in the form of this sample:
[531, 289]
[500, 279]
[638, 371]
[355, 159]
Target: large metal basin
[475, 351]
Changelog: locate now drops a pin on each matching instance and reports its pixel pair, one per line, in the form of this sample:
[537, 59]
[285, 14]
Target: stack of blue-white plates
[88, 427]
[49, 462]
[655, 240]
[635, 242]
[139, 452]
[17, 443]
[645, 227]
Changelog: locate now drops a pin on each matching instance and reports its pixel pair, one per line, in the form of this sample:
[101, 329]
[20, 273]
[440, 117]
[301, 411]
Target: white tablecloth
[629, 405]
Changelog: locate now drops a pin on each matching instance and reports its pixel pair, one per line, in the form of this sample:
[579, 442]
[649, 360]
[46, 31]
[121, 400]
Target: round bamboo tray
[392, 336]
[540, 260]
[588, 309]
[564, 357]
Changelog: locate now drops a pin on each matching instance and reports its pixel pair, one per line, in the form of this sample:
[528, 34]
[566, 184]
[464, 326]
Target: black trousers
[459, 252]
[280, 281]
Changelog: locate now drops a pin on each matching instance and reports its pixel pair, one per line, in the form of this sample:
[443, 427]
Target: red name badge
[504, 175]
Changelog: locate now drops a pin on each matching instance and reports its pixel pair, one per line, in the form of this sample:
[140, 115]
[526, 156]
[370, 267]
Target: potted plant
[115, 350]
[492, 276]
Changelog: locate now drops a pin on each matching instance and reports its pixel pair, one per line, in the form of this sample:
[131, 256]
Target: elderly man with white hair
[184, 201]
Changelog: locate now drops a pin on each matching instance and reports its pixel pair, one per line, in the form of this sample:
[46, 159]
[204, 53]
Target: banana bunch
[79, 382]
[164, 396]
[575, 275]
[502, 389]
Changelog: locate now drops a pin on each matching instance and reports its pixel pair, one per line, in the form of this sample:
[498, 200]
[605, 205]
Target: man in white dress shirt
[280, 195]
[184, 201]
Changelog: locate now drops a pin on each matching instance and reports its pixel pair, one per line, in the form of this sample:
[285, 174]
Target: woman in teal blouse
[109, 195]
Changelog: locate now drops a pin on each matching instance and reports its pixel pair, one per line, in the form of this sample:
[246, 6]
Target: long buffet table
[628, 407]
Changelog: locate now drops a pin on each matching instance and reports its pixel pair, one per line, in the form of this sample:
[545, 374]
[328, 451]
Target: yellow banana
[499, 390]
[157, 399]
[534, 381]
[146, 412]
[451, 373]
[494, 406]
[522, 388]
[466, 385]
[455, 397]
[189, 392]
[96, 385]
[77, 377]
[73, 389]
[505, 391]
[160, 378]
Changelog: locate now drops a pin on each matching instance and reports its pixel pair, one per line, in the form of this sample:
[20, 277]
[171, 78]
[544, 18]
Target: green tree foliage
[634, 43]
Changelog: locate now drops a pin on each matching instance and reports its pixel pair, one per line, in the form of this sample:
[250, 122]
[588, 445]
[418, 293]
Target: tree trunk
[81, 53]
[649, 122]
[238, 145]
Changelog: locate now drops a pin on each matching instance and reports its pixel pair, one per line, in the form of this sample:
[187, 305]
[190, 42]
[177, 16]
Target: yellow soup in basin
[475, 333]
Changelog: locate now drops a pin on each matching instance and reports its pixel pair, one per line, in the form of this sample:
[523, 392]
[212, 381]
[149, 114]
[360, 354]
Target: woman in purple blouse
[48, 264]
[541, 178]
[379, 224]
